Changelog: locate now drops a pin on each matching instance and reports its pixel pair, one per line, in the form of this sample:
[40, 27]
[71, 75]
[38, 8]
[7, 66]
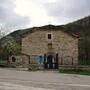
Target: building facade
[48, 47]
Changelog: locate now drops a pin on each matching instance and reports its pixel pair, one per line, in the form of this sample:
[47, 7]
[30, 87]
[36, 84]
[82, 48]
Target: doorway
[50, 62]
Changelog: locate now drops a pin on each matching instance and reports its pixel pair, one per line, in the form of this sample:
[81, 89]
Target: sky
[18, 14]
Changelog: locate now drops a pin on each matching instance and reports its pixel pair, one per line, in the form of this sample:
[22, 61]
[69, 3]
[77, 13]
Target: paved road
[42, 80]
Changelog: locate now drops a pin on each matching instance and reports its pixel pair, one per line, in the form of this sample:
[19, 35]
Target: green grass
[75, 71]
[84, 62]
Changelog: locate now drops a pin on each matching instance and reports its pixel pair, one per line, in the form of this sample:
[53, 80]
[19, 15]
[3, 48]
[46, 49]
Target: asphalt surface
[42, 80]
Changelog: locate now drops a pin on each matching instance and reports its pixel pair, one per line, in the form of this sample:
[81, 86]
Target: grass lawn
[75, 71]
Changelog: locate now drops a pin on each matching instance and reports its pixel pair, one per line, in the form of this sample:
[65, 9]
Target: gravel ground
[42, 80]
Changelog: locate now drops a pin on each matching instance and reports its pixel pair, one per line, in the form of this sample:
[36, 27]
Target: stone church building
[47, 47]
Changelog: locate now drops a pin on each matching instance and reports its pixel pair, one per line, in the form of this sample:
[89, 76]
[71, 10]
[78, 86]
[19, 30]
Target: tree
[9, 46]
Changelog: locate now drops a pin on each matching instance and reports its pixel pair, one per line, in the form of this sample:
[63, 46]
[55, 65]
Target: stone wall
[36, 43]
[20, 61]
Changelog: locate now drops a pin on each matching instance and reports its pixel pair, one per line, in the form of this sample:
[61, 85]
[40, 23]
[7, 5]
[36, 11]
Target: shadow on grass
[74, 71]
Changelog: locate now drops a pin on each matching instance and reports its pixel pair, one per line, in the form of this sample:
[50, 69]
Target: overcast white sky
[28, 13]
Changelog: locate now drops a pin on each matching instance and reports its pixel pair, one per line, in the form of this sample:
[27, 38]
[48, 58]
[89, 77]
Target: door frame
[51, 64]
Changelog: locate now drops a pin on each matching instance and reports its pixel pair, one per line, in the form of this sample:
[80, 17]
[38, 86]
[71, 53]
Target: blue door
[40, 59]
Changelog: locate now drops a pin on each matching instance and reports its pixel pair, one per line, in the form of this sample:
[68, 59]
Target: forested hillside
[82, 29]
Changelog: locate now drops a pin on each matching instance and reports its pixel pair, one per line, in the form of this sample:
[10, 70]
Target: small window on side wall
[13, 59]
[49, 36]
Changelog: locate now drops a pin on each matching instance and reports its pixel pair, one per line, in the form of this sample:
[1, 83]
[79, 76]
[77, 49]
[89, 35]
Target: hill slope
[80, 27]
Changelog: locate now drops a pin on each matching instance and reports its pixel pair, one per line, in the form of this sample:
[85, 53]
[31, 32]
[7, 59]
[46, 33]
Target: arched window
[13, 59]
